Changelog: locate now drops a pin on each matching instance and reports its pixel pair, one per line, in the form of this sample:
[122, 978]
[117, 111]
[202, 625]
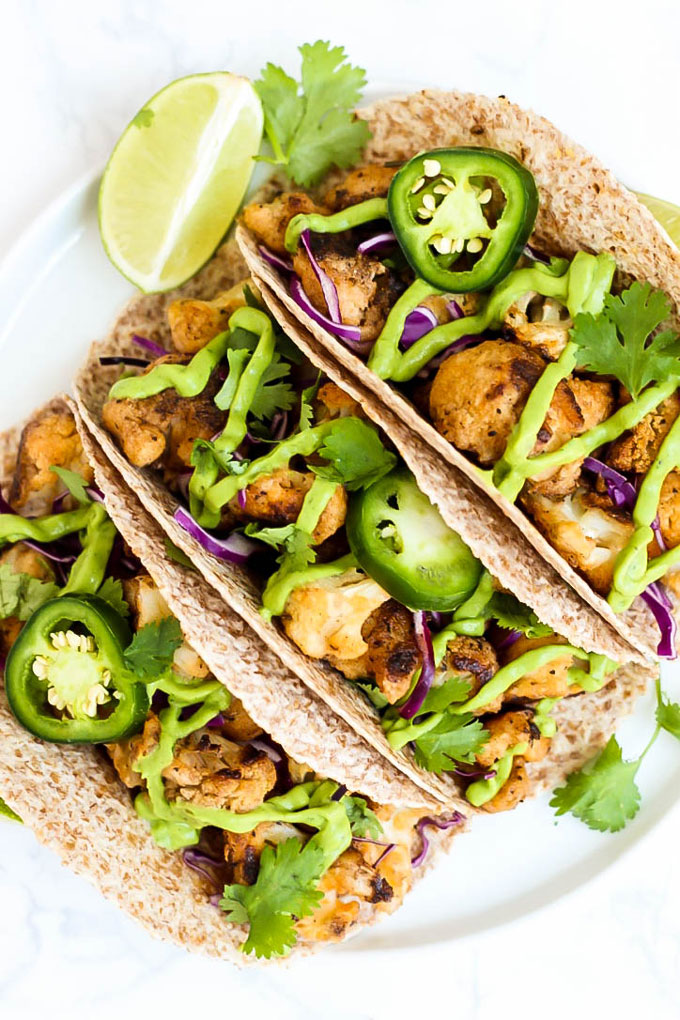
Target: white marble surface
[71, 74]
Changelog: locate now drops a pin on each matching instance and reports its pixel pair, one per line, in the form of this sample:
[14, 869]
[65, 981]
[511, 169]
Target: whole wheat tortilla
[582, 207]
[73, 801]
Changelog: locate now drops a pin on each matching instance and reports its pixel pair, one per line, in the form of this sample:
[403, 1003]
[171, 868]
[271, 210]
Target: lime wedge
[666, 213]
[6, 812]
[177, 177]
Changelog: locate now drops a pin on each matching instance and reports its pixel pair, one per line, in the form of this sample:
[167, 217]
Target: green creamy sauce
[484, 790]
[346, 219]
[187, 380]
[89, 570]
[280, 587]
[581, 287]
[175, 824]
[14, 528]
[403, 731]
[302, 443]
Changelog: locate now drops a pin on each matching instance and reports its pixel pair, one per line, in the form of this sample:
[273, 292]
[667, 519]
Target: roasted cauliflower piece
[505, 731]
[348, 885]
[578, 405]
[237, 723]
[393, 655]
[372, 181]
[148, 606]
[194, 323]
[541, 324]
[268, 221]
[479, 393]
[161, 430]
[49, 440]
[276, 499]
[549, 681]
[474, 659]
[586, 535]
[125, 753]
[366, 288]
[637, 449]
[209, 770]
[669, 509]
[325, 618]
[242, 850]
[333, 402]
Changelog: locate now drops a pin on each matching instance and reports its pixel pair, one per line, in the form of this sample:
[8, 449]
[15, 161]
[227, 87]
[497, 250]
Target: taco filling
[561, 388]
[92, 655]
[291, 482]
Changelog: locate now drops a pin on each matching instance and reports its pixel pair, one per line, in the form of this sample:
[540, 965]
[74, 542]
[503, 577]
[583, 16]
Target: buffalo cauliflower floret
[161, 429]
[372, 181]
[541, 324]
[269, 220]
[194, 323]
[49, 440]
[586, 535]
[276, 499]
[325, 619]
[637, 449]
[393, 655]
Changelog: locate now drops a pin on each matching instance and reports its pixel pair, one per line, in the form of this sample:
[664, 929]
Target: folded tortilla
[76, 805]
[582, 207]
[588, 721]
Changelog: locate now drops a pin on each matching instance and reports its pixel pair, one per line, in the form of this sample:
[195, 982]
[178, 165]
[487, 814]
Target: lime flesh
[666, 213]
[177, 177]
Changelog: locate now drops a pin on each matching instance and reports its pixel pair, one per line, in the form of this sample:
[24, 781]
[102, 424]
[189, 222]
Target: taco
[150, 740]
[496, 287]
[299, 513]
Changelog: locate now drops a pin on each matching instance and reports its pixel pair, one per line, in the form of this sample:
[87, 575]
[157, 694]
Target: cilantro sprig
[152, 648]
[310, 124]
[603, 793]
[619, 340]
[21, 594]
[286, 889]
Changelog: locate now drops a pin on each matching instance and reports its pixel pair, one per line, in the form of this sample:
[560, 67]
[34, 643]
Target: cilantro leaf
[306, 407]
[453, 689]
[21, 594]
[373, 693]
[173, 552]
[668, 716]
[286, 888]
[510, 613]
[273, 393]
[454, 738]
[112, 592]
[616, 342]
[75, 484]
[355, 453]
[603, 794]
[311, 126]
[364, 822]
[151, 650]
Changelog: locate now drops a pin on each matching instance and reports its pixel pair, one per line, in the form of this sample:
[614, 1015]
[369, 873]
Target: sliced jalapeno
[65, 675]
[401, 541]
[462, 216]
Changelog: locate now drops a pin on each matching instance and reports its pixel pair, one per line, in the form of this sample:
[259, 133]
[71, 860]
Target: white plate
[58, 292]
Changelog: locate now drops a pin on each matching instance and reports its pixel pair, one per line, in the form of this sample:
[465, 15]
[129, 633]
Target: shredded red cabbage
[241, 497]
[350, 334]
[330, 291]
[472, 771]
[424, 682]
[236, 548]
[454, 310]
[47, 552]
[279, 425]
[621, 492]
[377, 242]
[124, 359]
[149, 345]
[339, 793]
[284, 265]
[418, 322]
[439, 823]
[212, 869]
[662, 608]
[508, 640]
[216, 723]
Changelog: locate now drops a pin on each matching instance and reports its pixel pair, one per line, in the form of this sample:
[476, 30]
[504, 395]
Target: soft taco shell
[582, 206]
[76, 806]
